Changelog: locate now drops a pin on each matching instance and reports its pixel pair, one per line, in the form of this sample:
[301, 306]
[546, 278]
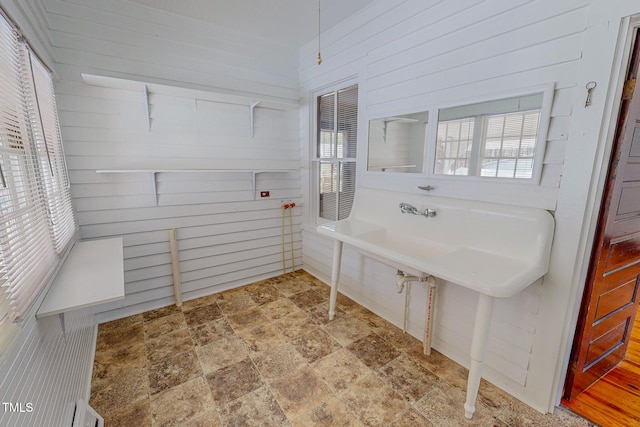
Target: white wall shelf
[155, 172]
[92, 274]
[146, 89]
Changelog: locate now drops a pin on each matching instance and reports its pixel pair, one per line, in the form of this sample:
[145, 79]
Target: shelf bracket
[63, 326]
[252, 107]
[253, 183]
[145, 99]
[154, 182]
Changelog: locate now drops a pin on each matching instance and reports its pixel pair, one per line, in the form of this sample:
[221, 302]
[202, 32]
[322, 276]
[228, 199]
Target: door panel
[604, 345]
[629, 200]
[610, 300]
[622, 296]
[623, 252]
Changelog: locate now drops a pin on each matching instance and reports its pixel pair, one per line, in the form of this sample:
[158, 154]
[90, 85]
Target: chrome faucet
[407, 208]
[429, 213]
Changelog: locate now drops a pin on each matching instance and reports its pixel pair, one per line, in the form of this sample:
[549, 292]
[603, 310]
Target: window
[36, 216]
[337, 137]
[496, 139]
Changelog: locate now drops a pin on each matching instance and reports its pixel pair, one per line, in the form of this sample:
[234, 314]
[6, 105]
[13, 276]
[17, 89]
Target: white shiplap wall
[413, 55]
[48, 371]
[226, 238]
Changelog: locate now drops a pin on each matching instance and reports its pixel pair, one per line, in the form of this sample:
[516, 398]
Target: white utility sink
[496, 250]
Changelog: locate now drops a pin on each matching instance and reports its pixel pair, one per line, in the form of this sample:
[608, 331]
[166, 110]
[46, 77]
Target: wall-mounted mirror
[397, 143]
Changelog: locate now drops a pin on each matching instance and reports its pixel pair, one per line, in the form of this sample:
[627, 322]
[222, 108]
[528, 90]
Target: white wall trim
[609, 35]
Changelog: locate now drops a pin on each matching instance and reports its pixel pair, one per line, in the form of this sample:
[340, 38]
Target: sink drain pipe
[404, 280]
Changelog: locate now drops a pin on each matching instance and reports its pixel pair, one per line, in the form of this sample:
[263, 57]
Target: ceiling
[288, 22]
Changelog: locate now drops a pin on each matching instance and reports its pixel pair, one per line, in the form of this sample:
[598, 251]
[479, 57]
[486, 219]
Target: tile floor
[266, 355]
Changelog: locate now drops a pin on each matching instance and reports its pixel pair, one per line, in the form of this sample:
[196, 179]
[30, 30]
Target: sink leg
[478, 347]
[335, 276]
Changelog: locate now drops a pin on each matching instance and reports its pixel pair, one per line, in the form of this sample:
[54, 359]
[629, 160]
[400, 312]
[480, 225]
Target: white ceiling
[288, 22]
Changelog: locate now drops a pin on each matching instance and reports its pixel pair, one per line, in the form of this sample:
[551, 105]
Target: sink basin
[407, 245]
[494, 249]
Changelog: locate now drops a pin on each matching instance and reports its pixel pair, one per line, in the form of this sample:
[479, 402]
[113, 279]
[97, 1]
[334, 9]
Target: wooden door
[611, 297]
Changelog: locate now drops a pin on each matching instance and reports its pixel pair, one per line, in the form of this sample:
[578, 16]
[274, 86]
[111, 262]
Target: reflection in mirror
[396, 144]
[490, 139]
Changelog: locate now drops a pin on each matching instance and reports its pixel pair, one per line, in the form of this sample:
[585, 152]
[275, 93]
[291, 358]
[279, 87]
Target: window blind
[36, 216]
[48, 141]
[337, 140]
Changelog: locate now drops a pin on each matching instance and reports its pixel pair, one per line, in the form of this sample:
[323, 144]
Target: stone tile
[340, 369]
[167, 345]
[258, 408]
[261, 337]
[565, 417]
[373, 402]
[412, 418]
[111, 339]
[375, 322]
[234, 381]
[182, 404]
[112, 362]
[173, 371]
[204, 314]
[208, 419]
[234, 301]
[493, 397]
[209, 332]
[320, 313]
[163, 325]
[247, 319]
[344, 302]
[323, 290]
[120, 323]
[307, 299]
[440, 365]
[289, 287]
[137, 414]
[517, 414]
[120, 391]
[199, 302]
[315, 345]
[398, 339]
[279, 308]
[347, 329]
[263, 293]
[373, 351]
[278, 362]
[160, 312]
[296, 324]
[443, 405]
[409, 379]
[329, 413]
[299, 392]
[221, 353]
[362, 313]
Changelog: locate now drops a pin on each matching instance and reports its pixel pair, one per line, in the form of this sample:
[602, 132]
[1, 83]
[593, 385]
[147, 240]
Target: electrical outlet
[264, 194]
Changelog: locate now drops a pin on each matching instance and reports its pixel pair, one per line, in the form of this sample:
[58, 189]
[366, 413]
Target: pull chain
[319, 55]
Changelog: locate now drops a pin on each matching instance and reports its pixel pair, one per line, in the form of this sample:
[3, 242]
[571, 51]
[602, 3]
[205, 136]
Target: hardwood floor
[615, 399]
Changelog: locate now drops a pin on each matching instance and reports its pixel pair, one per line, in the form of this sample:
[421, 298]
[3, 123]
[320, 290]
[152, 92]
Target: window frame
[315, 160]
[547, 92]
